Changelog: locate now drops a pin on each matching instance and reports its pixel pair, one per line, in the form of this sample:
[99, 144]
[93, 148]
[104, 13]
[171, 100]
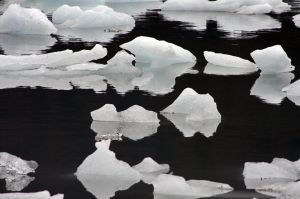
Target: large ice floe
[169, 186]
[19, 20]
[151, 50]
[222, 64]
[14, 170]
[236, 6]
[134, 122]
[192, 113]
[37, 195]
[268, 87]
[102, 174]
[293, 92]
[272, 60]
[277, 179]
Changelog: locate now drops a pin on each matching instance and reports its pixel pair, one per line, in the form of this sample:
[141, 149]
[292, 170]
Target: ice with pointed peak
[272, 60]
[18, 20]
[102, 174]
[73, 17]
[150, 170]
[173, 186]
[151, 50]
[268, 87]
[134, 113]
[37, 195]
[293, 92]
[296, 20]
[236, 6]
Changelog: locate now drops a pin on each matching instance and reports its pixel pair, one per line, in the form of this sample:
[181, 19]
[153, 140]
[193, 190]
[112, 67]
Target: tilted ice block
[170, 185]
[18, 20]
[37, 195]
[151, 50]
[98, 17]
[150, 169]
[272, 60]
[102, 174]
[133, 114]
[268, 87]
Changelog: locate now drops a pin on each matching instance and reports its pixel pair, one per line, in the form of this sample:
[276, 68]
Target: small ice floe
[101, 16]
[151, 50]
[272, 60]
[235, 6]
[134, 123]
[37, 195]
[14, 170]
[170, 186]
[103, 175]
[278, 178]
[18, 20]
[268, 87]
[150, 170]
[293, 92]
[296, 20]
[192, 112]
[51, 60]
[222, 64]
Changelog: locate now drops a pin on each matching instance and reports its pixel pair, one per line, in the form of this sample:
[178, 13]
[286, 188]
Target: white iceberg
[170, 186]
[37, 195]
[18, 20]
[296, 20]
[150, 170]
[272, 60]
[293, 92]
[268, 87]
[222, 64]
[73, 17]
[150, 50]
[102, 174]
[236, 6]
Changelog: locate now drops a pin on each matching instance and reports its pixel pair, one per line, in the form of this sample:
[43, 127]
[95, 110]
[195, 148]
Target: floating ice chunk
[135, 113]
[212, 69]
[102, 174]
[17, 182]
[149, 50]
[237, 6]
[268, 87]
[293, 92]
[296, 20]
[150, 169]
[18, 20]
[169, 185]
[272, 60]
[73, 17]
[37, 195]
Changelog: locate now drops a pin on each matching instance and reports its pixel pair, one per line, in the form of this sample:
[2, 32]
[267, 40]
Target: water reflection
[212, 69]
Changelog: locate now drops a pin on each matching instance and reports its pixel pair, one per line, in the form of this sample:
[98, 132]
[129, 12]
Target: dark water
[53, 127]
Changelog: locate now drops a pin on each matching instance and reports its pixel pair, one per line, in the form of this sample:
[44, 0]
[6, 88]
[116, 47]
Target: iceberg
[235, 6]
[268, 87]
[37, 195]
[18, 20]
[170, 186]
[293, 92]
[150, 50]
[150, 170]
[296, 20]
[272, 60]
[102, 174]
[73, 17]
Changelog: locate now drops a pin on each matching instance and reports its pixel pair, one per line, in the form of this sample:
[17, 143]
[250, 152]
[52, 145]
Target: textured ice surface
[98, 17]
[102, 174]
[151, 50]
[268, 87]
[150, 170]
[37, 195]
[237, 6]
[272, 60]
[18, 20]
[170, 186]
[235, 25]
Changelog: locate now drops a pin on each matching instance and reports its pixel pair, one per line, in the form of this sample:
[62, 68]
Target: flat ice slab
[272, 60]
[37, 195]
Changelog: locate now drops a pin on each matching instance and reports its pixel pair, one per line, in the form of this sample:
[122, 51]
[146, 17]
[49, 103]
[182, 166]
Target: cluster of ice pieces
[37, 195]
[278, 178]
[14, 170]
[102, 174]
[236, 6]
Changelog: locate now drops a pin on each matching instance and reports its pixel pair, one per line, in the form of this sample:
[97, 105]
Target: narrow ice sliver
[37, 195]
[18, 20]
